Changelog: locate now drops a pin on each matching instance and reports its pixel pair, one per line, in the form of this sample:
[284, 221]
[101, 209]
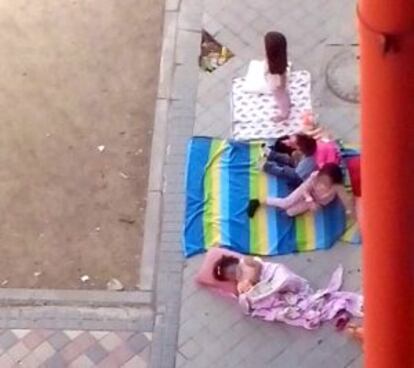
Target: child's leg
[277, 202]
[298, 208]
[280, 158]
[296, 196]
[286, 172]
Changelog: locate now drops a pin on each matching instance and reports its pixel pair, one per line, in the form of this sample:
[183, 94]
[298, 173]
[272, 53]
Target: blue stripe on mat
[334, 222]
[225, 214]
[285, 225]
[320, 229]
[198, 149]
[239, 192]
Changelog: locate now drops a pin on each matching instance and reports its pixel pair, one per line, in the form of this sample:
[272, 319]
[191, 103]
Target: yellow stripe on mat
[212, 195]
[262, 231]
[309, 224]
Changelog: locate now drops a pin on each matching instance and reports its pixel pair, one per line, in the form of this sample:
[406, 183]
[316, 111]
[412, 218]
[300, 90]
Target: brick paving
[74, 348]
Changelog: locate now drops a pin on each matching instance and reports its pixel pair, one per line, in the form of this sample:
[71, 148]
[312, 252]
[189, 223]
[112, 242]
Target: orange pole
[387, 112]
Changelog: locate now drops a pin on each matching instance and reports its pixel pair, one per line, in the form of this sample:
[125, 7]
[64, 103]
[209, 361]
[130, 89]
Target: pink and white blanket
[283, 296]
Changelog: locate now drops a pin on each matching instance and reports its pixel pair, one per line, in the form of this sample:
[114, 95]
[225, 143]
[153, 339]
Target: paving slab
[36, 348]
[241, 341]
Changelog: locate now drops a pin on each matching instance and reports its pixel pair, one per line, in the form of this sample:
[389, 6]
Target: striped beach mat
[221, 177]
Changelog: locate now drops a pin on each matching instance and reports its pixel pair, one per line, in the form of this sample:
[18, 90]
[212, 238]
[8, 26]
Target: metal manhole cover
[342, 75]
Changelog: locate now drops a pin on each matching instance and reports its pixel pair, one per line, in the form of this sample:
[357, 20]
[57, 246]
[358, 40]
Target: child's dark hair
[221, 265]
[333, 171]
[276, 52]
[306, 144]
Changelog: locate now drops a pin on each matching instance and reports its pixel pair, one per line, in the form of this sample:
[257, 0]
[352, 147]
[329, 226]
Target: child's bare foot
[266, 151]
[262, 162]
[356, 332]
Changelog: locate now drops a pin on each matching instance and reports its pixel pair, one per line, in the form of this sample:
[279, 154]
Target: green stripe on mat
[209, 201]
[300, 232]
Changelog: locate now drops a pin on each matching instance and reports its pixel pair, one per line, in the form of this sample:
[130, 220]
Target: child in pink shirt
[320, 189]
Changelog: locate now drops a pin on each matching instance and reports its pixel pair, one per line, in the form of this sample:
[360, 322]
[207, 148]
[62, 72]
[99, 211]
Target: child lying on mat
[245, 271]
[294, 167]
[276, 73]
[272, 292]
[322, 187]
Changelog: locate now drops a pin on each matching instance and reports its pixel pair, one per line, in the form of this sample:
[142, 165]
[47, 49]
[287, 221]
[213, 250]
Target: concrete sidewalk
[193, 327]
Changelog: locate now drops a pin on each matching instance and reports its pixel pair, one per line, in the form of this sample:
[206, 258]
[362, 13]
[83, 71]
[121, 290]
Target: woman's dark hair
[333, 171]
[220, 266]
[276, 52]
[306, 144]
[281, 147]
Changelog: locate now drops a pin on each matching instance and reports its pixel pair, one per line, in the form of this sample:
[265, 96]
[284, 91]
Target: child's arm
[256, 266]
[307, 187]
[309, 199]
[244, 286]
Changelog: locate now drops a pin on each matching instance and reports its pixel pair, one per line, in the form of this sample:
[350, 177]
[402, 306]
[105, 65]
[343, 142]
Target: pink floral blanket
[283, 296]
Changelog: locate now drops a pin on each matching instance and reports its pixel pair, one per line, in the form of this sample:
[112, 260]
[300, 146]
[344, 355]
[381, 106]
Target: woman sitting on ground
[296, 167]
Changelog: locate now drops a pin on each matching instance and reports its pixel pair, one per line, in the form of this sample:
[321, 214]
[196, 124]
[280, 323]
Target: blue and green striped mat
[221, 177]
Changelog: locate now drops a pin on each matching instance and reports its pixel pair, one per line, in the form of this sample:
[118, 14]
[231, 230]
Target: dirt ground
[77, 94]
